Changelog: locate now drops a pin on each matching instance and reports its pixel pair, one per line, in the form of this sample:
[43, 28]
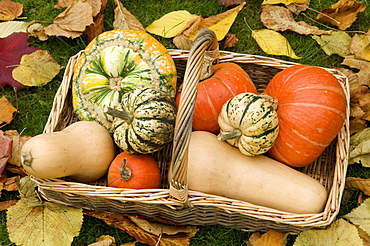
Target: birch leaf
[360, 46]
[279, 18]
[359, 151]
[220, 23]
[335, 43]
[339, 233]
[358, 183]
[123, 19]
[36, 69]
[273, 43]
[361, 216]
[10, 10]
[171, 24]
[9, 27]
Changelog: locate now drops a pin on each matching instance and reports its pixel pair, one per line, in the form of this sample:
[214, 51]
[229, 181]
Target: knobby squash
[144, 121]
[134, 171]
[311, 110]
[215, 167]
[115, 62]
[83, 151]
[249, 122]
[227, 81]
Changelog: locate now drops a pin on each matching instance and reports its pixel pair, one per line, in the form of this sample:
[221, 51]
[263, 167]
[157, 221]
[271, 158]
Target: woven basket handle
[205, 41]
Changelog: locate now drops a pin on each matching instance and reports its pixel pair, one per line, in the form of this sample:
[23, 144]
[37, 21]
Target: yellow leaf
[361, 216]
[36, 69]
[286, 2]
[335, 43]
[340, 233]
[171, 24]
[220, 23]
[273, 43]
[9, 27]
[45, 224]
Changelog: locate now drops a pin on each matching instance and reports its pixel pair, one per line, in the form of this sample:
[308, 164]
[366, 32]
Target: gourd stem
[125, 172]
[272, 100]
[126, 116]
[26, 159]
[229, 135]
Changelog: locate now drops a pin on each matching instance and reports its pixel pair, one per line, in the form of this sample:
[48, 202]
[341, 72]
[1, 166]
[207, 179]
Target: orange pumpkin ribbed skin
[311, 111]
[228, 80]
[145, 173]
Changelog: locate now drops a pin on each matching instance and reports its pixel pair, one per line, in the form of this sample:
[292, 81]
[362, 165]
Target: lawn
[34, 104]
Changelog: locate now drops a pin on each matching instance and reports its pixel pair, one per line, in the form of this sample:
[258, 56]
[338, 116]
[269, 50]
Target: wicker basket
[174, 202]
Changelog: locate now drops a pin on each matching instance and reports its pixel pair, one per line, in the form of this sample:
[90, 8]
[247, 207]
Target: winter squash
[83, 151]
[228, 80]
[311, 111]
[255, 179]
[115, 62]
[134, 171]
[249, 122]
[144, 121]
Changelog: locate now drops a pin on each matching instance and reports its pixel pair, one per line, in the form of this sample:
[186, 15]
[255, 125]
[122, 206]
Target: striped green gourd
[115, 62]
[249, 122]
[144, 121]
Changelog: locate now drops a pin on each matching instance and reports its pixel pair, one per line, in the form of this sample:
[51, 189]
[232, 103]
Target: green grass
[35, 103]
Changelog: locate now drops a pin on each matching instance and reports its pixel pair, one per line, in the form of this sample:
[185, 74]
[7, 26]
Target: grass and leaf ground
[34, 104]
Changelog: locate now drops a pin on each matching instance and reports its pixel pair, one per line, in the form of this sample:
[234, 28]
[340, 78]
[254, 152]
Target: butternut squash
[215, 167]
[83, 151]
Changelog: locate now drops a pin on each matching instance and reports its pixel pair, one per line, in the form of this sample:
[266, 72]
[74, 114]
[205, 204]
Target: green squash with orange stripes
[114, 63]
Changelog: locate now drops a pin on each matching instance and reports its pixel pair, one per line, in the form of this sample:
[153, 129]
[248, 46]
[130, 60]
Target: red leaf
[12, 48]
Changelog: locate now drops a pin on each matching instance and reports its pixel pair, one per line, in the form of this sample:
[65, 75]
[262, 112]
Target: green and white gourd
[144, 121]
[249, 122]
[114, 63]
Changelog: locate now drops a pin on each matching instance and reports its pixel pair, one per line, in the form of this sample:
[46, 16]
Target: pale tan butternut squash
[82, 151]
[215, 167]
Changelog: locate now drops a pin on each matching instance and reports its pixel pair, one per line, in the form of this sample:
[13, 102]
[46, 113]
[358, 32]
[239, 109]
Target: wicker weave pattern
[174, 202]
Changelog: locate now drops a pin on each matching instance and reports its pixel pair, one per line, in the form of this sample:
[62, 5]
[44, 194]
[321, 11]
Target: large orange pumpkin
[311, 111]
[227, 81]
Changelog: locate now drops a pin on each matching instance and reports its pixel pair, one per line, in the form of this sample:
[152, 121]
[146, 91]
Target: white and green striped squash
[116, 62]
[144, 121]
[249, 122]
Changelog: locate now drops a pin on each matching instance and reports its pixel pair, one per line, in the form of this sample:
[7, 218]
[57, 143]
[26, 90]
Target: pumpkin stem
[125, 172]
[229, 135]
[272, 100]
[126, 116]
[115, 83]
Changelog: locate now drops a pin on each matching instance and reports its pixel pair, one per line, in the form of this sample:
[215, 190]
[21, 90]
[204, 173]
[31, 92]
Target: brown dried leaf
[12, 184]
[63, 4]
[358, 183]
[359, 148]
[37, 30]
[360, 46]
[123, 223]
[97, 27]
[5, 150]
[359, 107]
[343, 13]
[72, 22]
[123, 19]
[230, 41]
[7, 111]
[228, 3]
[7, 204]
[298, 8]
[18, 142]
[182, 42]
[10, 10]
[363, 67]
[159, 228]
[271, 237]
[281, 19]
[364, 236]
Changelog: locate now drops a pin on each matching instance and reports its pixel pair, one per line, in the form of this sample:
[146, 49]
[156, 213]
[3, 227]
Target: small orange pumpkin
[134, 171]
